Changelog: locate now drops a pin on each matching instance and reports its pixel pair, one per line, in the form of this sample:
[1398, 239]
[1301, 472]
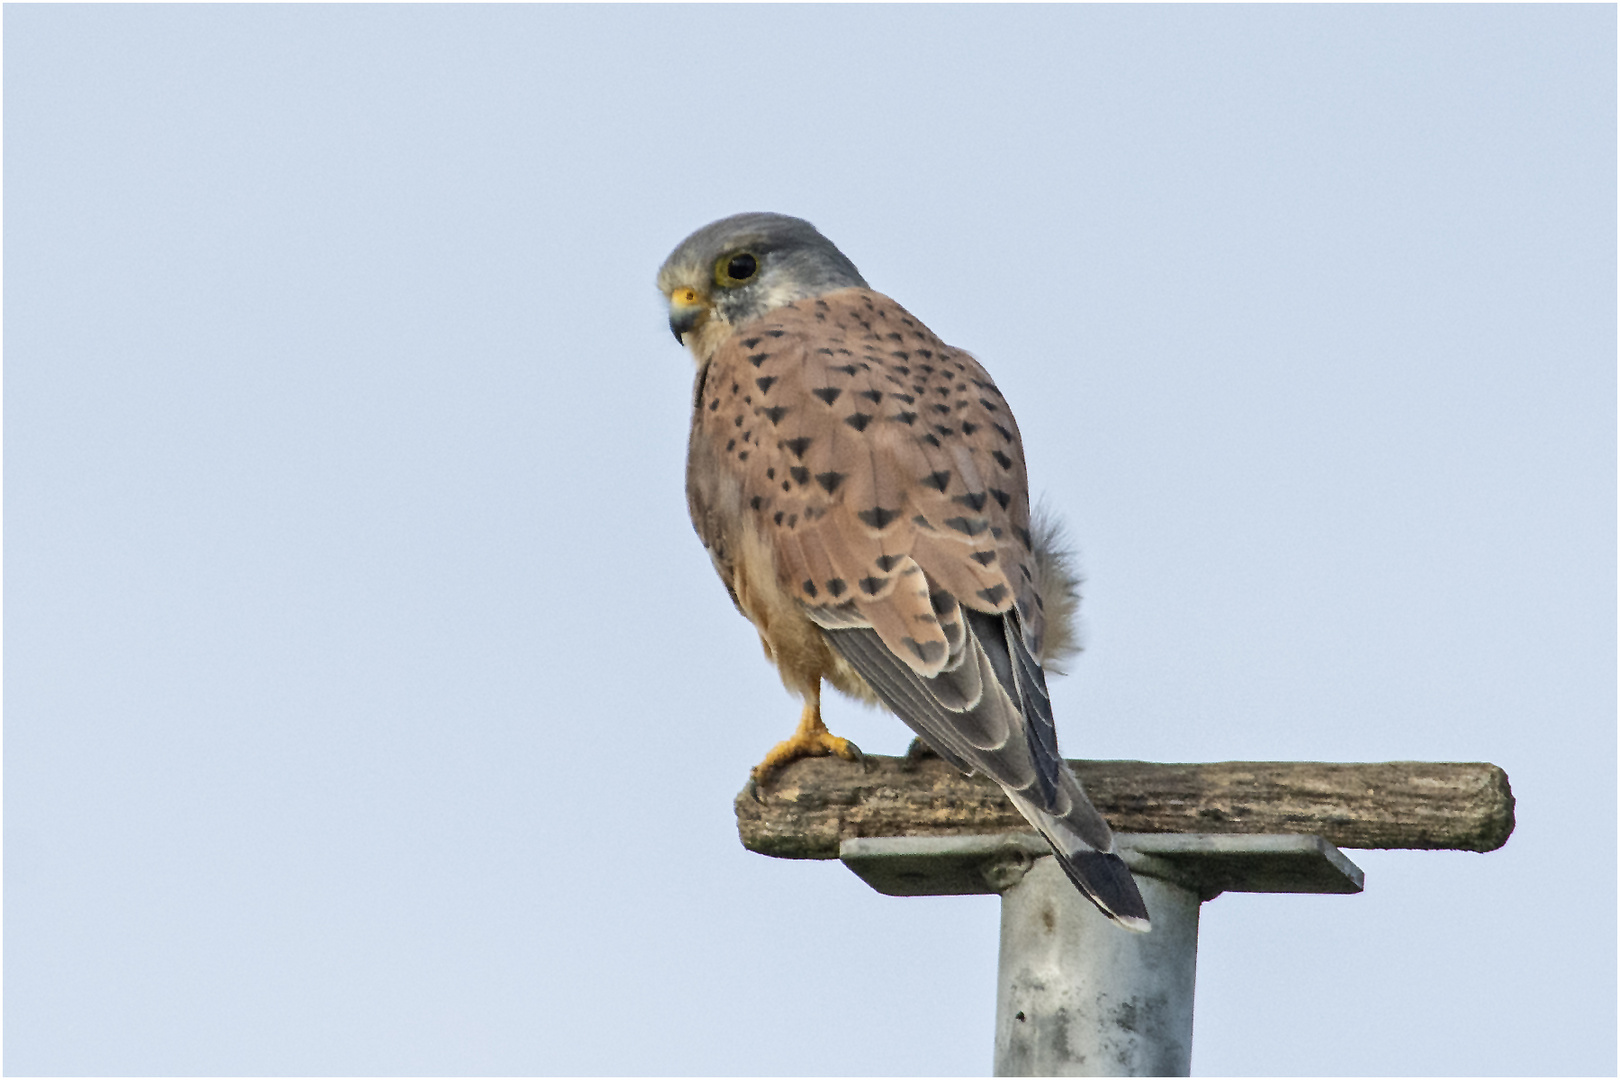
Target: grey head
[735, 270]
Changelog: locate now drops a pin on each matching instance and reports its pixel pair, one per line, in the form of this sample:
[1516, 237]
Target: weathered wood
[815, 803]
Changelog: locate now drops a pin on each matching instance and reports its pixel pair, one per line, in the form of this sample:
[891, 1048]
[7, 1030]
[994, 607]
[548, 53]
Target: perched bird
[860, 487]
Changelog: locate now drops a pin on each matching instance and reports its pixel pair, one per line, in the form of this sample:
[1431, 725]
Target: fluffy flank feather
[1057, 580]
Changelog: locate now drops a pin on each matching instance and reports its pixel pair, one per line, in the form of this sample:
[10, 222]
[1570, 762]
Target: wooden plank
[815, 803]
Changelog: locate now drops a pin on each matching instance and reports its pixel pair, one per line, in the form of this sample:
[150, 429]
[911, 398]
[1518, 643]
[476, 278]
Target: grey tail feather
[1037, 781]
[1106, 880]
[1057, 581]
[1090, 861]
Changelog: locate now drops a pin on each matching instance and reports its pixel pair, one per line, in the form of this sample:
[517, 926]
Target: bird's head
[737, 269]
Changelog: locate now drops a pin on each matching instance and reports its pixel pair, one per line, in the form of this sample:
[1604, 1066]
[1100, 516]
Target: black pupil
[741, 267]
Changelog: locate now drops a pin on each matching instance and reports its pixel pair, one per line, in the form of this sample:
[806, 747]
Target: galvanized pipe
[1077, 995]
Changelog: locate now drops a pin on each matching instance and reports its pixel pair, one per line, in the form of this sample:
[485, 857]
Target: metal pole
[1078, 996]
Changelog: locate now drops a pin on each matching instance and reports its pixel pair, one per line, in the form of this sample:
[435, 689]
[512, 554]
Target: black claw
[753, 790]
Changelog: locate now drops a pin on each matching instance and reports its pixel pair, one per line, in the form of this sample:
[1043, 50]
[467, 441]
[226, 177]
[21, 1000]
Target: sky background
[372, 708]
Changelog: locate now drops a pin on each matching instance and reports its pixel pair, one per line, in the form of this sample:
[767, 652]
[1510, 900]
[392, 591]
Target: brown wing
[867, 449]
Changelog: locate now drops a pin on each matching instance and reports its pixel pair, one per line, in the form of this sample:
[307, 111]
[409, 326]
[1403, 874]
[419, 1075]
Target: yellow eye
[736, 268]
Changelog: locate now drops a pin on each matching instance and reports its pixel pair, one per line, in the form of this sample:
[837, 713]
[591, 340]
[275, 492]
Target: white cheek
[708, 337]
[778, 294]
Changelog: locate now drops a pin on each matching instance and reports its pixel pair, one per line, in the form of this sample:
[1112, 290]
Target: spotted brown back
[867, 448]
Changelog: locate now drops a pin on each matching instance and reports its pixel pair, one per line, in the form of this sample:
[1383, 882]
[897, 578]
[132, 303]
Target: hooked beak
[687, 311]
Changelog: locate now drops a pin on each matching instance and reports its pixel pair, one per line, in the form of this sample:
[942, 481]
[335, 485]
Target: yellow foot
[812, 739]
[812, 744]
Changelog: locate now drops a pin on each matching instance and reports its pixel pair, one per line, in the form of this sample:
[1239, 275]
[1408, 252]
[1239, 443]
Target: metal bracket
[1206, 863]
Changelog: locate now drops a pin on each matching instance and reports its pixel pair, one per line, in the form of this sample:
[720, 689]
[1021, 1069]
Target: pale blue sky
[371, 706]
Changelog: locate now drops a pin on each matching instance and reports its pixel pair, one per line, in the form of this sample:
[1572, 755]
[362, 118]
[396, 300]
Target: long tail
[1101, 875]
[989, 712]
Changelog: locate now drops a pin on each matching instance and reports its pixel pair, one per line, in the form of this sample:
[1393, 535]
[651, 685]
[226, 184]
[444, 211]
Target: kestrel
[860, 487]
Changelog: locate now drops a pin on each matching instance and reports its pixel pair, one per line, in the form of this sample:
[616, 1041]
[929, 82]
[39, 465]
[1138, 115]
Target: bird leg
[811, 739]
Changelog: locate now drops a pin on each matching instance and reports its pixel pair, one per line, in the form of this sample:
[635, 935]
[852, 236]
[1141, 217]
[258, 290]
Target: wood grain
[815, 803]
